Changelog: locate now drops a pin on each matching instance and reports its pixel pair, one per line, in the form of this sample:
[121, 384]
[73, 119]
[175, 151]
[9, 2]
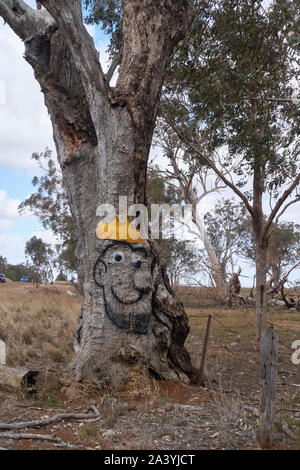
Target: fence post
[200, 380]
[268, 375]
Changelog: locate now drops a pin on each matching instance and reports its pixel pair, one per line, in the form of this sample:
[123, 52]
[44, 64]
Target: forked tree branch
[210, 163]
[24, 20]
[68, 16]
[279, 204]
[297, 199]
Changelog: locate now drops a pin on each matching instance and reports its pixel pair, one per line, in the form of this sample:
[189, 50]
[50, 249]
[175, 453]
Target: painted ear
[100, 271]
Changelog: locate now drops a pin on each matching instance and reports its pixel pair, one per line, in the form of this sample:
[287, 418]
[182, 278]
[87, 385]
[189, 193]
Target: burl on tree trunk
[132, 324]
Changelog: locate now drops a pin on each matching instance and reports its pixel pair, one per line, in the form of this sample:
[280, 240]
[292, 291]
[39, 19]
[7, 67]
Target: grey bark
[261, 245]
[103, 136]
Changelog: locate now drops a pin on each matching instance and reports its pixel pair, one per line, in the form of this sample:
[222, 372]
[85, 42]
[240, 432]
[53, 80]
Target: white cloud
[12, 246]
[9, 215]
[24, 123]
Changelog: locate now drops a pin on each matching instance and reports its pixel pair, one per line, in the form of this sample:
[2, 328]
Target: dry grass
[233, 363]
[39, 327]
[37, 324]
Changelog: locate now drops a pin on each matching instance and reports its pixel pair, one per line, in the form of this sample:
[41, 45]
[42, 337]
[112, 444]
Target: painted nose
[137, 264]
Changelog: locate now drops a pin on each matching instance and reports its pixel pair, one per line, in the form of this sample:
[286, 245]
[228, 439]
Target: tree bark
[261, 288]
[261, 246]
[217, 272]
[131, 321]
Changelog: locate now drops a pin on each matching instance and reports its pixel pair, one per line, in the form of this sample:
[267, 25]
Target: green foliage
[178, 258]
[238, 55]
[283, 248]
[40, 254]
[3, 265]
[108, 14]
[224, 226]
[16, 272]
[50, 204]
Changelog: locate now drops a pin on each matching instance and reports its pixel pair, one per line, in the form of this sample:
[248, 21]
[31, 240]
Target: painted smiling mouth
[130, 302]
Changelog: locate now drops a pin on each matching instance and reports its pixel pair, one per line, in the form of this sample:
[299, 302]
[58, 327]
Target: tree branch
[280, 202]
[210, 164]
[297, 199]
[24, 20]
[69, 19]
[114, 64]
[161, 24]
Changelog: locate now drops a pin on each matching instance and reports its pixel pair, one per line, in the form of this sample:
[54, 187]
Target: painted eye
[118, 257]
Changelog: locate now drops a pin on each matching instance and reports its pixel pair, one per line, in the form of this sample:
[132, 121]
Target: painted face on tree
[123, 271]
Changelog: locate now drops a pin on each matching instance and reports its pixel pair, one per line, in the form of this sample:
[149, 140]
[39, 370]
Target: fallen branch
[42, 437]
[44, 422]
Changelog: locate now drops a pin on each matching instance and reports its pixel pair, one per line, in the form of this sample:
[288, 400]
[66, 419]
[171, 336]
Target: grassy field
[38, 326]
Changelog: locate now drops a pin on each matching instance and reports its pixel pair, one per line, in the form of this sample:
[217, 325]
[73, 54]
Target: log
[17, 378]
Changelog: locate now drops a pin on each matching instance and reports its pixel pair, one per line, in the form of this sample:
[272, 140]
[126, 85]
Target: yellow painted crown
[117, 231]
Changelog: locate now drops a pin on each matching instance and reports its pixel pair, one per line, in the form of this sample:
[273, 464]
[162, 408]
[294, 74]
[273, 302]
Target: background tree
[282, 251]
[103, 136]
[61, 277]
[41, 256]
[51, 205]
[178, 257]
[16, 272]
[229, 93]
[193, 181]
[3, 265]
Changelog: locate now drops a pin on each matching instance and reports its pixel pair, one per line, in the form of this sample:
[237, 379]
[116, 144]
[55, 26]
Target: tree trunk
[217, 271]
[218, 274]
[261, 246]
[261, 288]
[132, 324]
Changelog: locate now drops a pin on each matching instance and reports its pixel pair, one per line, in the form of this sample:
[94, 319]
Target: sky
[25, 128]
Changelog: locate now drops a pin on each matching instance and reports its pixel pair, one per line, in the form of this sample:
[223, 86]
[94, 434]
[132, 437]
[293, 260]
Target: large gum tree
[133, 328]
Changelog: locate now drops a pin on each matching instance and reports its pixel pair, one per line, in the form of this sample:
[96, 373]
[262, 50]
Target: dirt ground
[221, 415]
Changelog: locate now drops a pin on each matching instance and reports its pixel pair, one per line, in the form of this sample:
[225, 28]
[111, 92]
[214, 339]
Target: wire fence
[234, 331]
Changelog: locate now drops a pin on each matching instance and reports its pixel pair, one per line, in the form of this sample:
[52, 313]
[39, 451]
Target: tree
[41, 255]
[178, 257]
[192, 181]
[61, 277]
[3, 264]
[224, 226]
[131, 322]
[16, 272]
[51, 205]
[282, 251]
[230, 93]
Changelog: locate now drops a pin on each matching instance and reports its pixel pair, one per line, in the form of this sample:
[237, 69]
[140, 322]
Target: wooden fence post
[200, 380]
[268, 375]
